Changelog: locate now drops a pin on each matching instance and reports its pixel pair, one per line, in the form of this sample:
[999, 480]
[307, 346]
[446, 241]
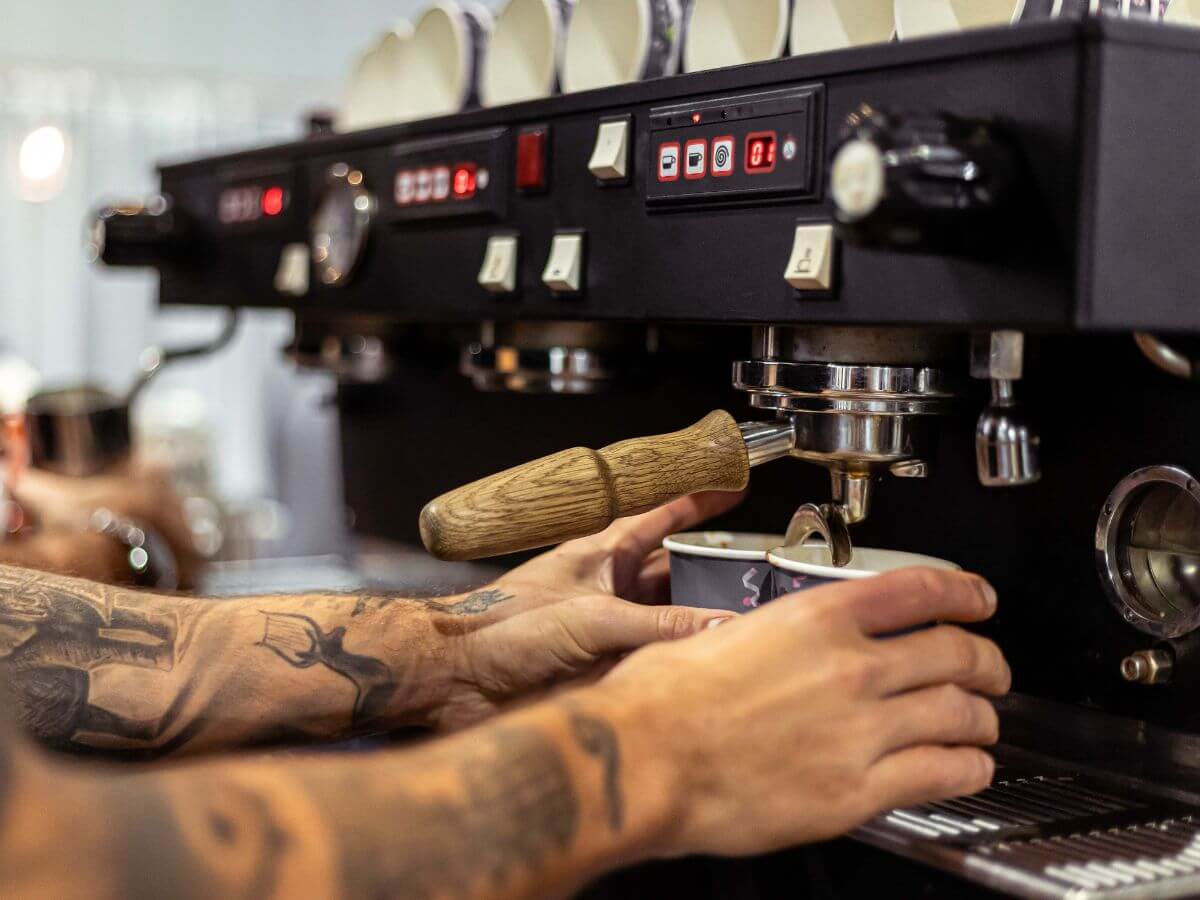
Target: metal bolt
[1148, 667]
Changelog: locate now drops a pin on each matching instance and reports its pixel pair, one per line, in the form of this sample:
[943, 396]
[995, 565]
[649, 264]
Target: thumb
[604, 625]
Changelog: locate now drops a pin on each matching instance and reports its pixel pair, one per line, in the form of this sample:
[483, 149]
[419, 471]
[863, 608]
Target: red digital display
[250, 203]
[760, 153]
[464, 182]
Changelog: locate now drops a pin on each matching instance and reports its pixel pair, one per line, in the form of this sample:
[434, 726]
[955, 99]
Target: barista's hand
[568, 615]
[799, 721]
[63, 505]
[625, 560]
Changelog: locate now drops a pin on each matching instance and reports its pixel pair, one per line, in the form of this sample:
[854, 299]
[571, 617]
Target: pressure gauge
[341, 225]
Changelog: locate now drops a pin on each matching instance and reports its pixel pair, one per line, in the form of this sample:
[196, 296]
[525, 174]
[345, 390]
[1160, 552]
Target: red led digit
[272, 201]
[464, 182]
[760, 152]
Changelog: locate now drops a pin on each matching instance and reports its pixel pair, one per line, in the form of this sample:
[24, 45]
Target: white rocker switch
[564, 269]
[291, 277]
[610, 157]
[811, 265]
[499, 272]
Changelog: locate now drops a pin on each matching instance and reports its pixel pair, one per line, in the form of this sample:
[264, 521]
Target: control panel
[261, 201]
[462, 176]
[736, 148]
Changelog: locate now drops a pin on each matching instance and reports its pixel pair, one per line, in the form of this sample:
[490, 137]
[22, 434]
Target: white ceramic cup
[441, 64]
[525, 52]
[720, 569]
[918, 18]
[619, 41]
[820, 25]
[1182, 12]
[809, 565]
[734, 32]
[372, 96]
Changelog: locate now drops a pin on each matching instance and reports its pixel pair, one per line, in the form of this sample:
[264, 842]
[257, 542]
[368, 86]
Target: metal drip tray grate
[1057, 835]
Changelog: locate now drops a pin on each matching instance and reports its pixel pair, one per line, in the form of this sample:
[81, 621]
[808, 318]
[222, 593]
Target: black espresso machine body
[592, 208]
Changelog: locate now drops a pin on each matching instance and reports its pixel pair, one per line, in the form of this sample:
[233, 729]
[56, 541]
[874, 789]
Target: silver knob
[1148, 667]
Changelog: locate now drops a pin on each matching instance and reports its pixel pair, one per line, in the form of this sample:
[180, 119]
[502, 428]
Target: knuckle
[858, 670]
[964, 648]
[675, 622]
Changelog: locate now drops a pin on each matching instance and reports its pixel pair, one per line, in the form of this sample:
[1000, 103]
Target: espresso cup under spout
[721, 570]
[442, 61]
[619, 41]
[820, 25]
[734, 32]
[526, 51]
[809, 565]
[918, 18]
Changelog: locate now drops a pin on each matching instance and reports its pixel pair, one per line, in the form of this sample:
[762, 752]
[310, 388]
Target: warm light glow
[272, 201]
[42, 163]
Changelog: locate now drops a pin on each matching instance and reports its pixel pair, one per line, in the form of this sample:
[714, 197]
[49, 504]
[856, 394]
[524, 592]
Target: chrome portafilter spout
[853, 400]
[1006, 444]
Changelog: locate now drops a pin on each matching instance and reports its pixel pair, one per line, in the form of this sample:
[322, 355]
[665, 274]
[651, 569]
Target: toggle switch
[564, 269]
[499, 272]
[610, 157]
[811, 265]
[533, 146]
[291, 277]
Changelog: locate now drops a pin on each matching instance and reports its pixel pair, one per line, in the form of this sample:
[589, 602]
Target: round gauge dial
[341, 225]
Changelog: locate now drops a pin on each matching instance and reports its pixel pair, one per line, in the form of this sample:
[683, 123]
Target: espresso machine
[951, 280]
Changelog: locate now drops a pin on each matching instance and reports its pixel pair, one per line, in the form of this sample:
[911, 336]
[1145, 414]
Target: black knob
[141, 234]
[912, 182]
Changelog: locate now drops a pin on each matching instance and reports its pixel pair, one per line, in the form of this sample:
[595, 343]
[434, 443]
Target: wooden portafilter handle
[580, 491]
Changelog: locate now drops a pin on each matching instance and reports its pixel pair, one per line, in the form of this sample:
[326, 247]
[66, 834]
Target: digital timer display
[760, 153]
[246, 204]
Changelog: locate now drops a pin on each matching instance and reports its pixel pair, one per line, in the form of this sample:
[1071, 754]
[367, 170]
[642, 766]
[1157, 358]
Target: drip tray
[1042, 833]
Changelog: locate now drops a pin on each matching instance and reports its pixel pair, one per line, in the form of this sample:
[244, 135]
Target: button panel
[752, 146]
[464, 176]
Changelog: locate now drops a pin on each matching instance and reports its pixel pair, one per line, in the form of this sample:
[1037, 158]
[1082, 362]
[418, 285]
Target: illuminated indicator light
[760, 153]
[695, 118]
[272, 201]
[465, 182]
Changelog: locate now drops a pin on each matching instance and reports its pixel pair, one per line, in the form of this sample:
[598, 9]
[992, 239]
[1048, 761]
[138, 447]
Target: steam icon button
[722, 157]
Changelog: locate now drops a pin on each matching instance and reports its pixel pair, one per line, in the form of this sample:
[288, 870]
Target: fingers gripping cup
[618, 41]
[820, 25]
[720, 570]
[441, 64]
[525, 51]
[808, 565]
[733, 32]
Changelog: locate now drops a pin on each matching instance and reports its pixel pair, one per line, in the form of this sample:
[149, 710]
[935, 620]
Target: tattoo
[54, 635]
[300, 642]
[599, 739]
[518, 807]
[471, 605]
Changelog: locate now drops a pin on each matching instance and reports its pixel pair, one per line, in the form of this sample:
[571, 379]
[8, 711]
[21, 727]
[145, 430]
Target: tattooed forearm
[599, 739]
[94, 668]
[472, 604]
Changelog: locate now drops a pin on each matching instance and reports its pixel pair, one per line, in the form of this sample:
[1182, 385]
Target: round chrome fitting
[549, 370]
[1148, 551]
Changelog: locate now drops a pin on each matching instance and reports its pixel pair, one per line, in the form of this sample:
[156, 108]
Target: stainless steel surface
[552, 357]
[341, 225]
[1148, 667]
[768, 441]
[1147, 549]
[825, 520]
[878, 346]
[1007, 448]
[1164, 356]
[851, 495]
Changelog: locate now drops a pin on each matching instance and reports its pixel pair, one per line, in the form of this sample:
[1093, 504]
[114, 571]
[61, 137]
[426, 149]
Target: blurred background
[92, 96]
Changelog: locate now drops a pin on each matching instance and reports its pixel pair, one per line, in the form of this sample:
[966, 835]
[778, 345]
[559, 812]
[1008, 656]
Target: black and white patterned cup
[918, 18]
[443, 61]
[724, 33]
[525, 53]
[809, 565]
[820, 25]
[372, 96]
[619, 41]
[721, 570]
